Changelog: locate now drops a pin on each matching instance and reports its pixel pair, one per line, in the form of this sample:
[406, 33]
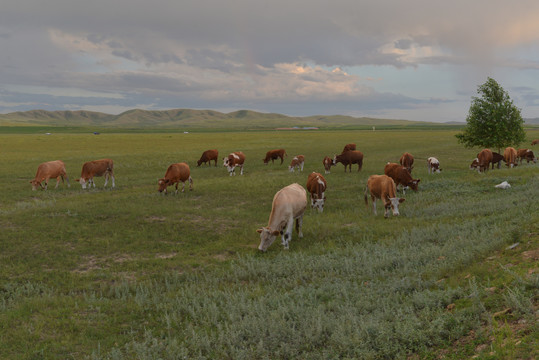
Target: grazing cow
[496, 159]
[297, 163]
[288, 205]
[274, 155]
[176, 173]
[433, 165]
[48, 170]
[535, 142]
[407, 160]
[348, 158]
[349, 147]
[484, 158]
[327, 164]
[475, 164]
[103, 167]
[316, 186]
[526, 154]
[401, 176]
[510, 157]
[234, 159]
[208, 156]
[383, 187]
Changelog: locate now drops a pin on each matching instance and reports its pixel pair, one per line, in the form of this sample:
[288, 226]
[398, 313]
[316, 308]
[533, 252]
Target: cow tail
[365, 196]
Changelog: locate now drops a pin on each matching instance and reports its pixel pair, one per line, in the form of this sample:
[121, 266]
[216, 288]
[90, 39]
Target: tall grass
[129, 273]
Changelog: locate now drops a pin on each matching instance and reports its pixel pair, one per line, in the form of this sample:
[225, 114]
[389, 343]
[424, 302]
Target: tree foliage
[493, 120]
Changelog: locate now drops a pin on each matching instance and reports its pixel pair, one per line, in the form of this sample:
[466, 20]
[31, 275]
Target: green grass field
[132, 274]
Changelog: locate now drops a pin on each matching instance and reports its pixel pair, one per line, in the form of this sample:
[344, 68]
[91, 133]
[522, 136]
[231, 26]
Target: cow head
[413, 184]
[163, 184]
[475, 164]
[199, 162]
[334, 161]
[393, 205]
[267, 237]
[81, 181]
[35, 184]
[318, 203]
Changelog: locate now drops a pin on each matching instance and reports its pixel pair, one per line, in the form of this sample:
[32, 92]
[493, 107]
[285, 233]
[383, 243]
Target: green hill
[190, 119]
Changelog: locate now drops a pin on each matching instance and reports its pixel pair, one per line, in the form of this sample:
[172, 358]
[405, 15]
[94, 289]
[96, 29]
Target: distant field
[130, 273]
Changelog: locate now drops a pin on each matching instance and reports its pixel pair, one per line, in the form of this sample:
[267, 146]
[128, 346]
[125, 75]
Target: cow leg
[299, 223]
[373, 204]
[190, 184]
[183, 186]
[58, 181]
[241, 169]
[106, 176]
[287, 234]
[176, 192]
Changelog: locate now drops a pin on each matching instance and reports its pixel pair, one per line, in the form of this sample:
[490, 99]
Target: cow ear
[401, 200]
[259, 230]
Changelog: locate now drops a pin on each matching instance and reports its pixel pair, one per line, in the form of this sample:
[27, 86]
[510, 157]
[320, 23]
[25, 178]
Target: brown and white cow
[233, 160]
[401, 176]
[496, 159]
[289, 204]
[475, 164]
[297, 163]
[433, 165]
[103, 167]
[348, 158]
[349, 147]
[526, 154]
[383, 187]
[407, 160]
[274, 155]
[535, 142]
[175, 174]
[316, 186]
[48, 170]
[208, 156]
[510, 156]
[327, 164]
[484, 158]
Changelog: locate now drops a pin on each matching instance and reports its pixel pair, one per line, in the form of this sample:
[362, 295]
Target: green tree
[493, 120]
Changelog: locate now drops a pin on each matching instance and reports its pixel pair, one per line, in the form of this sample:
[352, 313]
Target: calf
[348, 158]
[349, 147]
[327, 164]
[316, 186]
[382, 187]
[47, 170]
[401, 176]
[526, 154]
[176, 173]
[496, 159]
[274, 155]
[433, 165]
[484, 158]
[407, 160]
[103, 167]
[232, 161]
[297, 163]
[289, 204]
[510, 157]
[208, 156]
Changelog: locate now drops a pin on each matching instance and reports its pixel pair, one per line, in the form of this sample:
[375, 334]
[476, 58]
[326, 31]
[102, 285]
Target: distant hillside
[189, 119]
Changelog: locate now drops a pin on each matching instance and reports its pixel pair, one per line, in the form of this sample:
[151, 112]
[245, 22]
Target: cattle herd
[290, 202]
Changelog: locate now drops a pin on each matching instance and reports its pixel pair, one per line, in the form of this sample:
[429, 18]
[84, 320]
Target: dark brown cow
[496, 159]
[297, 162]
[327, 164]
[510, 156]
[45, 171]
[535, 142]
[233, 160]
[484, 158]
[526, 154]
[382, 187]
[407, 160]
[103, 167]
[176, 173]
[316, 186]
[401, 176]
[208, 156]
[274, 155]
[348, 158]
[349, 147]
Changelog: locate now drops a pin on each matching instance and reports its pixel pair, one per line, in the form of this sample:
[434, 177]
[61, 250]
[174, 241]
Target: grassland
[129, 273]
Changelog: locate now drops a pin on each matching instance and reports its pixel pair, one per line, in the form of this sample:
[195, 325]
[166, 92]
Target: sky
[416, 59]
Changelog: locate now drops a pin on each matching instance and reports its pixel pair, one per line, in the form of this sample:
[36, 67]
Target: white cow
[433, 165]
[288, 205]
